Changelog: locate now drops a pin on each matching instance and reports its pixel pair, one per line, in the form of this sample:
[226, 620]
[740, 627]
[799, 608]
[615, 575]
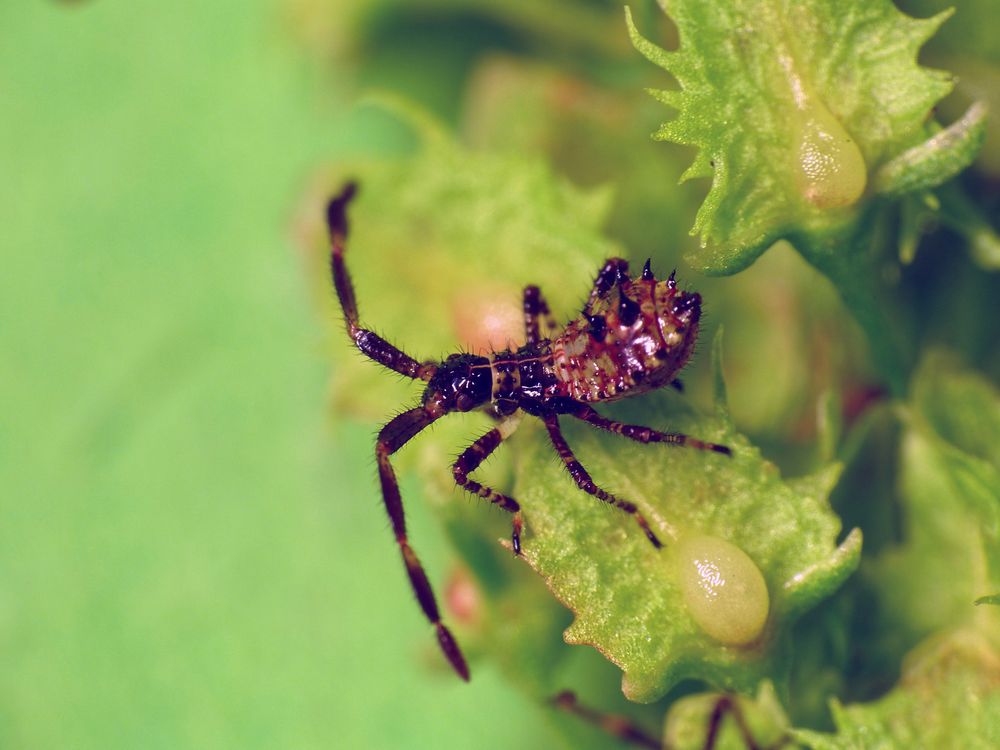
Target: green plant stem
[847, 256]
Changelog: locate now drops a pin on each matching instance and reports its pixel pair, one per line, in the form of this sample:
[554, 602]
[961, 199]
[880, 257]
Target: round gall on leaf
[831, 171]
[723, 589]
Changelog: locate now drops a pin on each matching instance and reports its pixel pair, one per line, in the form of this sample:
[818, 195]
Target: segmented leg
[393, 437]
[614, 271]
[617, 726]
[728, 704]
[583, 480]
[470, 460]
[624, 729]
[535, 306]
[370, 344]
[723, 705]
[643, 434]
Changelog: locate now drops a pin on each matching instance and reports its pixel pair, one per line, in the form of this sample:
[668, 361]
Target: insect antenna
[370, 343]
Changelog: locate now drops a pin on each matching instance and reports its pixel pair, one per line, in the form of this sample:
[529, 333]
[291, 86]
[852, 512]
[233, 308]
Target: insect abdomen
[632, 342]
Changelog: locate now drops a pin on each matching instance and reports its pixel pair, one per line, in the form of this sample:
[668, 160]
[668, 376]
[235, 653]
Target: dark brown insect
[634, 336]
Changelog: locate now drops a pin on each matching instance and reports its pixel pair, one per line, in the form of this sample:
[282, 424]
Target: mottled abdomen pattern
[635, 339]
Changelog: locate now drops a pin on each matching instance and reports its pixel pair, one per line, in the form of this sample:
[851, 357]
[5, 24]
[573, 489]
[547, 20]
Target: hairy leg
[371, 344]
[583, 480]
[392, 437]
[617, 726]
[471, 459]
[643, 434]
[627, 731]
[729, 704]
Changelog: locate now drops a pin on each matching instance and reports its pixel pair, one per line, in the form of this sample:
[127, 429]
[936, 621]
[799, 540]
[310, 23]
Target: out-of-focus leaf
[950, 488]
[594, 134]
[356, 27]
[948, 696]
[948, 553]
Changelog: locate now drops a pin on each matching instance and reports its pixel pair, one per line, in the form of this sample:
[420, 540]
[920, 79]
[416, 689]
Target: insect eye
[464, 402]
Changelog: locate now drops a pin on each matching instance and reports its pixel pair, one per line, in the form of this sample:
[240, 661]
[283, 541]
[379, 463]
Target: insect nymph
[634, 336]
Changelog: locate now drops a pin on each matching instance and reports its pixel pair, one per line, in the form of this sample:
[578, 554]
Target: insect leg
[617, 726]
[623, 728]
[371, 345]
[470, 460]
[728, 704]
[392, 437]
[643, 434]
[583, 480]
[535, 306]
[613, 271]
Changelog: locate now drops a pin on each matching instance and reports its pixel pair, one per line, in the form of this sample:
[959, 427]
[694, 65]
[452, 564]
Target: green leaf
[961, 214]
[790, 106]
[937, 159]
[948, 515]
[629, 599]
[951, 494]
[961, 407]
[948, 696]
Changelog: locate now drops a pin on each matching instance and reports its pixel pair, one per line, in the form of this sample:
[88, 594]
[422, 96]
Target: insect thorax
[461, 383]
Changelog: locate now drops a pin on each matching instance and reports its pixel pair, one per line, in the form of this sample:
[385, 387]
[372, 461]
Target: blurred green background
[189, 555]
[193, 552]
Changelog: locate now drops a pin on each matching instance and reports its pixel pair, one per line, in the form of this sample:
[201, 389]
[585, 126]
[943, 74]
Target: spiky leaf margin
[758, 80]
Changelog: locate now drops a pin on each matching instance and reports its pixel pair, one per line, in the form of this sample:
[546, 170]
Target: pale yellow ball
[723, 588]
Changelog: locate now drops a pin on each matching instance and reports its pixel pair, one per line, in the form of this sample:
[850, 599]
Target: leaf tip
[652, 52]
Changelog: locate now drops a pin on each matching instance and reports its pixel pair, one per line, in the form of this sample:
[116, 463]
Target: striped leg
[643, 434]
[471, 459]
[583, 480]
[535, 306]
[617, 726]
[729, 704]
[371, 345]
[627, 731]
[392, 437]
